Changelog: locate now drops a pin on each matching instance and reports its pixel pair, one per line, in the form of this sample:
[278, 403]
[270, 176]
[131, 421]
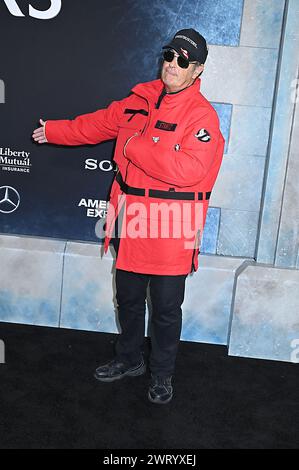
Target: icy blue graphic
[210, 234]
[224, 112]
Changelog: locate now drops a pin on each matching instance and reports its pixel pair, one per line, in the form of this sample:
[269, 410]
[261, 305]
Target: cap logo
[185, 53]
[180, 36]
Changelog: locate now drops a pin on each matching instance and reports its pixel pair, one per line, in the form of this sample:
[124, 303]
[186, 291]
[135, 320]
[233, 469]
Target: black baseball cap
[189, 44]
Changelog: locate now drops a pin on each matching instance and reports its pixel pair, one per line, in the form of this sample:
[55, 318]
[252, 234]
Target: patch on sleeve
[203, 135]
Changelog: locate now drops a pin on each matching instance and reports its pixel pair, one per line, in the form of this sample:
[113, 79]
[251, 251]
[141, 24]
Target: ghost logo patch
[203, 135]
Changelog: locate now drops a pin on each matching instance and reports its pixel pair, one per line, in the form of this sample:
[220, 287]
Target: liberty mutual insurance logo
[9, 199]
[14, 161]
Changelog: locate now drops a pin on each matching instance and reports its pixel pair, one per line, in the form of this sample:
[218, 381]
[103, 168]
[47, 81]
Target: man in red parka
[168, 152]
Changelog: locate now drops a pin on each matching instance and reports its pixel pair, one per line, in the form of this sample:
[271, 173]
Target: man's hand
[39, 134]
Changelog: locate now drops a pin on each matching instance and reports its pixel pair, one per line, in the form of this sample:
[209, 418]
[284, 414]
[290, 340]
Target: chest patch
[165, 126]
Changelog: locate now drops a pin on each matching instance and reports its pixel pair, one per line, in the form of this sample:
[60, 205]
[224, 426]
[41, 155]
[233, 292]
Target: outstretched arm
[91, 128]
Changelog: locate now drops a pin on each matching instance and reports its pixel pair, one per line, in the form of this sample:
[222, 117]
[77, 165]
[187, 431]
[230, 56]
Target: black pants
[167, 295]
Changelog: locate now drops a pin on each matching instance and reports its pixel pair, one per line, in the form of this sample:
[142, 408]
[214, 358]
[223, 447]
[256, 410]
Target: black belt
[170, 194]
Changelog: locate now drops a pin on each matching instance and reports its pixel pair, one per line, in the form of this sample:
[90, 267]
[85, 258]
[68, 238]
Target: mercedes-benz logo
[9, 199]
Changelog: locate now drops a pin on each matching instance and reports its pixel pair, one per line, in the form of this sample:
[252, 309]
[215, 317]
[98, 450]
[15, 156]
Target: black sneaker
[115, 370]
[160, 390]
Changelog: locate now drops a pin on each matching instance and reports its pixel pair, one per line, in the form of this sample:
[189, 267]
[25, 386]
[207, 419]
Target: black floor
[49, 399]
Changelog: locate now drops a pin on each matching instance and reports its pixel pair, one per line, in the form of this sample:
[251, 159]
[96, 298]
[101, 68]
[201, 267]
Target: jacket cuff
[49, 131]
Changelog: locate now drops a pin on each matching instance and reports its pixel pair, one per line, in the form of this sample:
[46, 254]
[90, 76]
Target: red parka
[169, 150]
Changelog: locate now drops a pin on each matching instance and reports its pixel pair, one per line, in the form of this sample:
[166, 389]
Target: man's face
[176, 78]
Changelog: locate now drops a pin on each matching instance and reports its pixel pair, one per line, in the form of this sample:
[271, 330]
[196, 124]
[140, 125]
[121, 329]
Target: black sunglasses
[169, 55]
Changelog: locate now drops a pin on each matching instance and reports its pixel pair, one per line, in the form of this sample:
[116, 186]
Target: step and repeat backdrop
[63, 58]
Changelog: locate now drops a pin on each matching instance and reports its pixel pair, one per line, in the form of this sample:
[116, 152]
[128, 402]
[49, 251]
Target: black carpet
[49, 398]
